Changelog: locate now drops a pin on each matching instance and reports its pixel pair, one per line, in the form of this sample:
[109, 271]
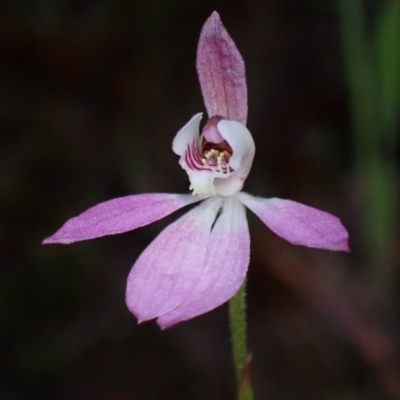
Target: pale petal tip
[344, 245]
[333, 240]
[341, 245]
[55, 240]
[47, 240]
[165, 325]
[213, 27]
[342, 242]
[141, 313]
[139, 316]
[213, 18]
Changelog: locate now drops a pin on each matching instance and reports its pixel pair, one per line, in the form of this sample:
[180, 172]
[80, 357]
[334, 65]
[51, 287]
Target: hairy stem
[237, 317]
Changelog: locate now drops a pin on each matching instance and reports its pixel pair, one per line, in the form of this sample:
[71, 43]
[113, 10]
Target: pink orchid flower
[200, 261]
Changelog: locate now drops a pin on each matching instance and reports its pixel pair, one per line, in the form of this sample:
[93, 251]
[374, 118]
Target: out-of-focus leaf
[374, 86]
[388, 57]
[361, 75]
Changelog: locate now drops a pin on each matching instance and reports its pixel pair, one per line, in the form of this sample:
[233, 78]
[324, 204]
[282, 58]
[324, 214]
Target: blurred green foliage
[373, 63]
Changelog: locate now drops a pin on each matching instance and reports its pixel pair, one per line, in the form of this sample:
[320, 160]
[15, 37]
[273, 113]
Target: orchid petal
[298, 223]
[221, 72]
[169, 268]
[226, 264]
[242, 143]
[187, 135]
[120, 215]
[243, 150]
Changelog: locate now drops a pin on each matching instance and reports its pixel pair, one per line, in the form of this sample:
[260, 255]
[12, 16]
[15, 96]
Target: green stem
[237, 317]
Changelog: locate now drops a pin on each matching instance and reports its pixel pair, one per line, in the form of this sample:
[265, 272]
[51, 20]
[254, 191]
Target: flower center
[216, 155]
[207, 158]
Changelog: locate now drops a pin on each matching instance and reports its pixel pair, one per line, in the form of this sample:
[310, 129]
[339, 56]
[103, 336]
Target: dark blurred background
[91, 96]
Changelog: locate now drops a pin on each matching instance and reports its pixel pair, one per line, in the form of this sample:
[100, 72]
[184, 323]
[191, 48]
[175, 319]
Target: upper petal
[221, 72]
[226, 263]
[298, 223]
[166, 272]
[120, 215]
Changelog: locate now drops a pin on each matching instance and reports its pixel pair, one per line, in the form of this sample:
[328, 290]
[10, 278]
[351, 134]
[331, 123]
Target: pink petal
[299, 224]
[227, 259]
[166, 272]
[120, 215]
[221, 72]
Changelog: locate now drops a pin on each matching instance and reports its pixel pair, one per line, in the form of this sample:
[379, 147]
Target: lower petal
[298, 223]
[166, 272]
[120, 215]
[226, 264]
